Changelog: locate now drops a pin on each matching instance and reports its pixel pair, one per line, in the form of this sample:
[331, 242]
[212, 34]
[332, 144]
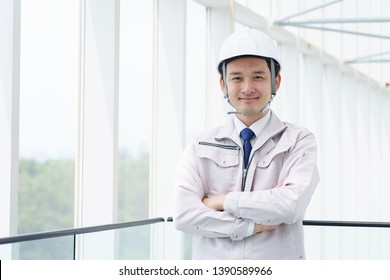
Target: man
[242, 189]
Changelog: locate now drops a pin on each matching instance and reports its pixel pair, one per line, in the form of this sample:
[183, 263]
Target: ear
[278, 80]
[222, 85]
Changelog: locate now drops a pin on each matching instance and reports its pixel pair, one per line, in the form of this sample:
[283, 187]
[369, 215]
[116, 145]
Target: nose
[247, 87]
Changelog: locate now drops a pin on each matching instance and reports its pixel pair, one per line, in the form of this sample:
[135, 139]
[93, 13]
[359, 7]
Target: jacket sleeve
[190, 214]
[288, 202]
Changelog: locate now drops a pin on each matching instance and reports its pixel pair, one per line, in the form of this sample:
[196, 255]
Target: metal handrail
[75, 231]
[346, 224]
[336, 223]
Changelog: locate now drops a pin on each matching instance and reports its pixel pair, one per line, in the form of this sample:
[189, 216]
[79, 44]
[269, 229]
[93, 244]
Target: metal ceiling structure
[324, 24]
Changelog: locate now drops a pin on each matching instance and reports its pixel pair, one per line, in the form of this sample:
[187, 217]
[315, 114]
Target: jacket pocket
[221, 166]
[222, 159]
[268, 170]
[266, 161]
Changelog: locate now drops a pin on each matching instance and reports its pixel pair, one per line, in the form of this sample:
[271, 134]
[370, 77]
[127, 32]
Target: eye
[258, 77]
[236, 78]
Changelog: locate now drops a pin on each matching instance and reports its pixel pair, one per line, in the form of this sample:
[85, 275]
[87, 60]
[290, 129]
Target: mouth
[248, 99]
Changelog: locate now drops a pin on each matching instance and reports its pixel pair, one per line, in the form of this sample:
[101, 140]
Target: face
[248, 82]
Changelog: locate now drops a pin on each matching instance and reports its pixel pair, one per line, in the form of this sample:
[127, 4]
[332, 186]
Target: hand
[279, 185]
[260, 228]
[215, 202]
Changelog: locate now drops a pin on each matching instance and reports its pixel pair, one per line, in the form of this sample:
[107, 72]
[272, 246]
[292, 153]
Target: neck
[248, 120]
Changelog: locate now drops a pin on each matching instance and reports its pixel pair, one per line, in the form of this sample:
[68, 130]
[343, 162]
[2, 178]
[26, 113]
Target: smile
[248, 99]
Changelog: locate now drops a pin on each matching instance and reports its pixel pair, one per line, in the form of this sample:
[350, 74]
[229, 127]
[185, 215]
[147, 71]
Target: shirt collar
[257, 127]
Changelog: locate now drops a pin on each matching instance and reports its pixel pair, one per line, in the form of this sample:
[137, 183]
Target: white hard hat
[248, 42]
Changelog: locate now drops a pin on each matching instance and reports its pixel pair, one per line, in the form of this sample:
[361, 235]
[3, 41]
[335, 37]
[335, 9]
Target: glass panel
[48, 111]
[132, 243]
[5, 251]
[135, 91]
[347, 243]
[135, 243]
[59, 248]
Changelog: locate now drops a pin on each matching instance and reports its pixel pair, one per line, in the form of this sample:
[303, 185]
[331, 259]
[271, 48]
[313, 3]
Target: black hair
[277, 65]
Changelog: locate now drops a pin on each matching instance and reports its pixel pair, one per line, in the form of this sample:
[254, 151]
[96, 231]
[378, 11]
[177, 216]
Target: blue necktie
[246, 135]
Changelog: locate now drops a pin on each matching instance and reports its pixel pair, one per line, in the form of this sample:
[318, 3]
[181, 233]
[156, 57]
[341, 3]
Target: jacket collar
[274, 127]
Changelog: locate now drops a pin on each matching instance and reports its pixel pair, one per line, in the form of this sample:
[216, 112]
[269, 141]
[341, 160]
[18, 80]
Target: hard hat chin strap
[273, 79]
[273, 88]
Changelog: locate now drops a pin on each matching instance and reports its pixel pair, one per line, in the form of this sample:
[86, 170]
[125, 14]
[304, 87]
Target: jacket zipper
[244, 172]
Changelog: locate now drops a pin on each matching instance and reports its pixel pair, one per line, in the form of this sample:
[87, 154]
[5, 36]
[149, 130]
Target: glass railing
[324, 240]
[130, 240]
[336, 240]
[55, 248]
[132, 243]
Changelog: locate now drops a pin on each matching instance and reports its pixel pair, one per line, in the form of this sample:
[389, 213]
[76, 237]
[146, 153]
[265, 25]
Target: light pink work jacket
[212, 164]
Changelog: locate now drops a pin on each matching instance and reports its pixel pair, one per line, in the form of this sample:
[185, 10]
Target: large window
[135, 91]
[48, 102]
[48, 111]
[195, 95]
[94, 116]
